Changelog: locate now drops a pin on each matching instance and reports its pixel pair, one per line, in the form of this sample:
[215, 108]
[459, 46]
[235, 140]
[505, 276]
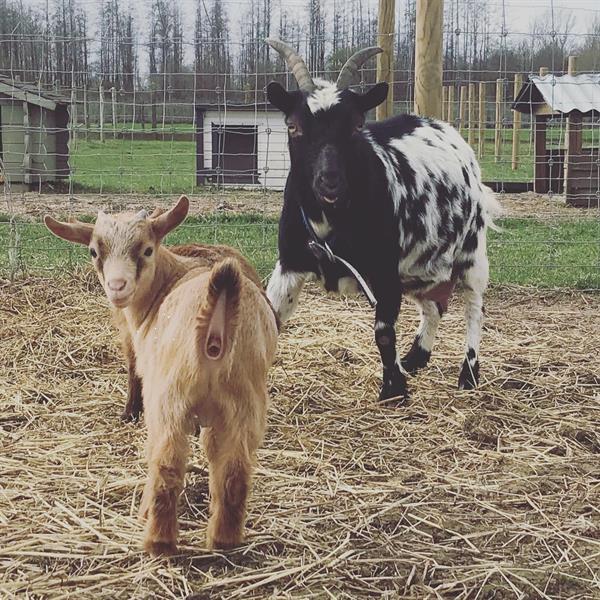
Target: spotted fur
[402, 200]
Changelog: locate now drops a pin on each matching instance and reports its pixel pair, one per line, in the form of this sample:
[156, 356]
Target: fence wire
[132, 120]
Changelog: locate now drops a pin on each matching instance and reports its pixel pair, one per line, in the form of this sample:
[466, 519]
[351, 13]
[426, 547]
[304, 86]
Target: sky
[518, 14]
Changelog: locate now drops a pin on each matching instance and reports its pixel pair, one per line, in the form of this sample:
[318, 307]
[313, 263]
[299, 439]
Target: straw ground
[486, 494]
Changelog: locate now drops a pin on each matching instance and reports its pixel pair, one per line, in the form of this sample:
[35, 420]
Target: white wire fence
[78, 140]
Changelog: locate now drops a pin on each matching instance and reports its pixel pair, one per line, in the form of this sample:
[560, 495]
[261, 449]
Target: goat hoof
[160, 548]
[469, 376]
[394, 391]
[415, 359]
[223, 544]
[130, 417]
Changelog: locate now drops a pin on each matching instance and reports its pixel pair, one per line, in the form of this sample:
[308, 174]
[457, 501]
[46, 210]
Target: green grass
[38, 250]
[166, 166]
[134, 166]
[559, 254]
[527, 252]
[125, 166]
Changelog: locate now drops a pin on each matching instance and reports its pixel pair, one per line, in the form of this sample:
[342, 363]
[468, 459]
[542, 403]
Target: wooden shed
[243, 145]
[572, 164]
[34, 134]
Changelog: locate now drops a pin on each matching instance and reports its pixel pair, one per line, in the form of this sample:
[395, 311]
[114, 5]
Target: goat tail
[218, 316]
[492, 209]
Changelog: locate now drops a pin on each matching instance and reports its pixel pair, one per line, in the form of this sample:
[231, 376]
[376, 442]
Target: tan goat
[204, 340]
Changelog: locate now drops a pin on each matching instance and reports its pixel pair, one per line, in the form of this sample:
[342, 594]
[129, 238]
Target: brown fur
[228, 397]
[204, 256]
[162, 315]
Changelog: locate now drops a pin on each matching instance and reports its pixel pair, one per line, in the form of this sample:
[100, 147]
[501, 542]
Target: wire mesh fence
[144, 109]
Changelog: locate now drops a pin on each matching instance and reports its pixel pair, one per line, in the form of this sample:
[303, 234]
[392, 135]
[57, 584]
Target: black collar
[320, 248]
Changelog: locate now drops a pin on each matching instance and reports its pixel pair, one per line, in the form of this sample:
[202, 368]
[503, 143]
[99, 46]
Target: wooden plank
[25, 96]
[498, 129]
[428, 58]
[385, 60]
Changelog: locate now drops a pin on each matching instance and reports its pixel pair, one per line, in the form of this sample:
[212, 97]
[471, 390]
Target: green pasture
[167, 166]
[526, 252]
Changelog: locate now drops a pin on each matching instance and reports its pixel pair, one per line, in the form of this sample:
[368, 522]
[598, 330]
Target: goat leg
[394, 386]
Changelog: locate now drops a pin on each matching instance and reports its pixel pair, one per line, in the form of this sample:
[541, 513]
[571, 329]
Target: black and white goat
[401, 200]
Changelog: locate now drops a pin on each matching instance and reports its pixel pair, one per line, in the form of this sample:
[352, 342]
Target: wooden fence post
[516, 124]
[428, 58]
[85, 111]
[444, 101]
[73, 115]
[472, 119]
[462, 111]
[153, 109]
[574, 141]
[498, 131]
[450, 118]
[101, 111]
[113, 93]
[482, 117]
[385, 60]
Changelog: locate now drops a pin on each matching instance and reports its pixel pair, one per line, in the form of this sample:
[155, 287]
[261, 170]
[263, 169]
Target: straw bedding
[486, 494]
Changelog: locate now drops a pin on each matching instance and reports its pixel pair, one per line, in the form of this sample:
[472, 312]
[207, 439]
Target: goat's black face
[321, 130]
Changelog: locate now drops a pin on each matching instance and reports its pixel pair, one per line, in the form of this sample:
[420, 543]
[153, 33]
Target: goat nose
[329, 179]
[116, 285]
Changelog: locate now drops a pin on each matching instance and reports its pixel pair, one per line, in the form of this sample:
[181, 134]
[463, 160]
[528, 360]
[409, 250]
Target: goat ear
[280, 98]
[77, 232]
[167, 221]
[374, 97]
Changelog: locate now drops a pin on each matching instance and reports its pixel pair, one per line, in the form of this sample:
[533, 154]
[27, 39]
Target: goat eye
[148, 252]
[93, 253]
[359, 126]
[292, 129]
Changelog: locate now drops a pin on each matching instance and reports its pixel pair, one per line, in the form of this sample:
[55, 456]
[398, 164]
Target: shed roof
[258, 107]
[562, 94]
[31, 93]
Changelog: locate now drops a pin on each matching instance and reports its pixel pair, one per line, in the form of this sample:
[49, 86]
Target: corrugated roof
[562, 94]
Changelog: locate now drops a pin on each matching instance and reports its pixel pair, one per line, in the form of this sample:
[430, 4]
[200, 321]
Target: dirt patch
[240, 201]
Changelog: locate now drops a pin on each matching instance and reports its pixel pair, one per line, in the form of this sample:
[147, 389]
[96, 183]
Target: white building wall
[273, 157]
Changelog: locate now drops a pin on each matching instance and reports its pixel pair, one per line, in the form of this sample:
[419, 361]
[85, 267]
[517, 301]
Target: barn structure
[242, 145]
[570, 166]
[34, 134]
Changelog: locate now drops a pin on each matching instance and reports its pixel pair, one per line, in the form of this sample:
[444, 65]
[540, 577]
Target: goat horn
[349, 73]
[296, 65]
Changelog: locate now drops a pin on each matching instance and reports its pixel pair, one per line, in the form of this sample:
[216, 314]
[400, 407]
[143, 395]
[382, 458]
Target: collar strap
[320, 248]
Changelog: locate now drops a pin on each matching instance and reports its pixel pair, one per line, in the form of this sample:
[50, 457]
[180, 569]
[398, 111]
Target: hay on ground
[486, 494]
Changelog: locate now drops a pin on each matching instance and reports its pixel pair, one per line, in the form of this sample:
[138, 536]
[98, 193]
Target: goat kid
[401, 200]
[204, 340]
